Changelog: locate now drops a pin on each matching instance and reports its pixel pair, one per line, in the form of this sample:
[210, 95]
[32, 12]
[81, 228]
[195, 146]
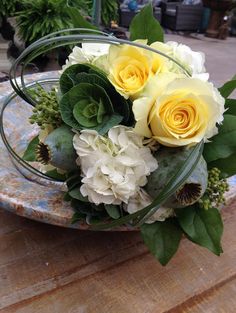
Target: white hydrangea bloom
[87, 54]
[113, 167]
[140, 200]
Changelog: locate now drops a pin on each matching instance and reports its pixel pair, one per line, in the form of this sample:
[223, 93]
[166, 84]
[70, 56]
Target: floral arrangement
[141, 138]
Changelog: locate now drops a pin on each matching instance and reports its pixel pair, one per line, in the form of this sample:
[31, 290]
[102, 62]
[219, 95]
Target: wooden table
[50, 269]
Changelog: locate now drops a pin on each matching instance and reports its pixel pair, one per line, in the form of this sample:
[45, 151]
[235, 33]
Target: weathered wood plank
[113, 272]
[42, 258]
[219, 298]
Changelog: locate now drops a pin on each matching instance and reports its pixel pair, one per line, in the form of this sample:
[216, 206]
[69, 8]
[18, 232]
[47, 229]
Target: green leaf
[230, 105]
[162, 239]
[78, 20]
[67, 197]
[228, 87]
[77, 216]
[54, 174]
[177, 180]
[224, 143]
[227, 166]
[73, 180]
[203, 227]
[29, 154]
[145, 26]
[88, 209]
[112, 210]
[76, 194]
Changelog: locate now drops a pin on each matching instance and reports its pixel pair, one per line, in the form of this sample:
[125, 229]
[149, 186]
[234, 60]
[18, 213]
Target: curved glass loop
[6, 142]
[45, 44]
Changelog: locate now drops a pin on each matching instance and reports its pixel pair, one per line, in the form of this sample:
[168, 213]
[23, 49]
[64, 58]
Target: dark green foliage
[84, 6]
[145, 26]
[109, 11]
[228, 87]
[30, 152]
[57, 176]
[112, 210]
[227, 166]
[9, 7]
[77, 18]
[204, 227]
[162, 239]
[221, 151]
[224, 143]
[230, 105]
[41, 17]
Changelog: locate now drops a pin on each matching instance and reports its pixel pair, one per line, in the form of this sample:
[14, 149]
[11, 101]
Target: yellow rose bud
[186, 111]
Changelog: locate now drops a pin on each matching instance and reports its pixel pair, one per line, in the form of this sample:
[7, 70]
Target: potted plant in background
[218, 11]
[8, 10]
[41, 17]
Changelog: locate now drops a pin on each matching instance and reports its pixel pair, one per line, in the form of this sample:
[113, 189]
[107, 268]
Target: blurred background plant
[9, 7]
[109, 12]
[39, 18]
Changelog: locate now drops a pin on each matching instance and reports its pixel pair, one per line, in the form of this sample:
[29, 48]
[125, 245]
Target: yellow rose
[130, 69]
[183, 112]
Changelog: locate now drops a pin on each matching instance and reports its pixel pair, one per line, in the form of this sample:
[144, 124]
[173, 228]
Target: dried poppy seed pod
[195, 185]
[169, 160]
[57, 149]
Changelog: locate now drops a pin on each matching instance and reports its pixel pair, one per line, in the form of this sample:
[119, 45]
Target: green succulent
[89, 100]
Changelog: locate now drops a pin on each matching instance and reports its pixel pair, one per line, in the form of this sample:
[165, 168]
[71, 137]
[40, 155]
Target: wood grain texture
[46, 269]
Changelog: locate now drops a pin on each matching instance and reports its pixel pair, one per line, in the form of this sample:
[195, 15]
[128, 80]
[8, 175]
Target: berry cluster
[214, 195]
[46, 111]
